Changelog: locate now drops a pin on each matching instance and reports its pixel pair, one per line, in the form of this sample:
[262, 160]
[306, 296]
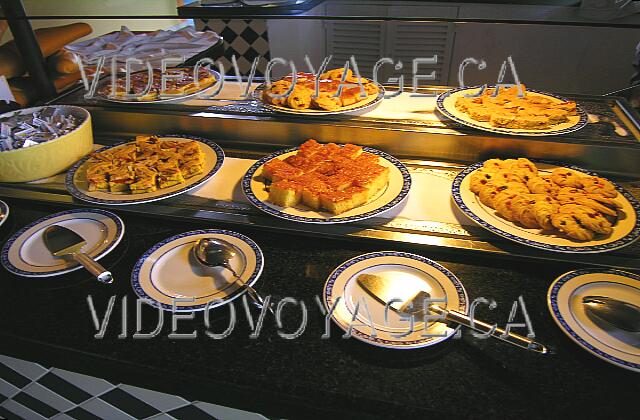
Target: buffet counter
[49, 320]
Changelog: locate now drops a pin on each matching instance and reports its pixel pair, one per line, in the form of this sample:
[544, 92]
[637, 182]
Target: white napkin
[152, 46]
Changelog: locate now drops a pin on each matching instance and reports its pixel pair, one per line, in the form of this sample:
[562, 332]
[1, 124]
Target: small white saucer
[409, 269]
[25, 253]
[169, 271]
[565, 304]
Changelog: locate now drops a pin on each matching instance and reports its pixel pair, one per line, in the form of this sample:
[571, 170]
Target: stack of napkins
[150, 46]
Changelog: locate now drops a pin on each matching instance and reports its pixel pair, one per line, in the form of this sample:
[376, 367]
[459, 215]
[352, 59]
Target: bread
[50, 40]
[63, 62]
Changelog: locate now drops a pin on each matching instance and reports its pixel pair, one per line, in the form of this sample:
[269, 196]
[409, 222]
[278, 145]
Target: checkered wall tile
[246, 39]
[31, 391]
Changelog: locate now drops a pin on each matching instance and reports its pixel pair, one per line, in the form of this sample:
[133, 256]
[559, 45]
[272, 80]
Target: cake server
[65, 243]
[622, 315]
[385, 291]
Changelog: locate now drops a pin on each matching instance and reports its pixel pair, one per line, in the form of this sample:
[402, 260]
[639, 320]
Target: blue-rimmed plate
[564, 298]
[360, 107]
[200, 92]
[25, 253]
[77, 185]
[169, 274]
[255, 188]
[446, 104]
[412, 272]
[4, 212]
[625, 231]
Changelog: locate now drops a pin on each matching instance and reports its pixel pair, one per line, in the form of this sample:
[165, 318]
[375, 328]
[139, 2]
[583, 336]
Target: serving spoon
[214, 252]
[622, 315]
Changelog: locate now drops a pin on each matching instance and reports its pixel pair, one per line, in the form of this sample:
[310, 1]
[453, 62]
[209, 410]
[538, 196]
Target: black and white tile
[31, 391]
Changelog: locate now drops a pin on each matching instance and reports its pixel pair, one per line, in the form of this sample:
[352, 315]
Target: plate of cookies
[326, 183]
[515, 110]
[150, 168]
[546, 206]
[335, 95]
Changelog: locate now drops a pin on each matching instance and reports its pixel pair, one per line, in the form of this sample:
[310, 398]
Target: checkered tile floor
[244, 39]
[30, 391]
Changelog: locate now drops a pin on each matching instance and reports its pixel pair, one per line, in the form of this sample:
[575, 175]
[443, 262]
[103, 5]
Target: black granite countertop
[48, 321]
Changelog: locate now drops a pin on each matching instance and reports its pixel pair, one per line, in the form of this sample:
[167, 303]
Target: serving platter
[256, 190]
[25, 253]
[564, 300]
[162, 98]
[169, 271]
[366, 104]
[446, 102]
[411, 272]
[625, 231]
[77, 185]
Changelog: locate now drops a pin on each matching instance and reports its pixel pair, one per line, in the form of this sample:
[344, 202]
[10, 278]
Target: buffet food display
[516, 110]
[144, 166]
[148, 169]
[316, 183]
[334, 96]
[325, 177]
[179, 83]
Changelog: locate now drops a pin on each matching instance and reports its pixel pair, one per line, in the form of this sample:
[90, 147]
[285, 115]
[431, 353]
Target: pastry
[508, 109]
[325, 177]
[567, 224]
[333, 93]
[579, 206]
[144, 165]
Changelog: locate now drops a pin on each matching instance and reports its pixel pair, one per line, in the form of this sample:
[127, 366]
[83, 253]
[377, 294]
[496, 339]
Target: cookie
[569, 195]
[524, 210]
[504, 204]
[595, 205]
[491, 189]
[588, 218]
[479, 179]
[567, 224]
[597, 185]
[542, 185]
[504, 175]
[493, 165]
[566, 178]
[542, 211]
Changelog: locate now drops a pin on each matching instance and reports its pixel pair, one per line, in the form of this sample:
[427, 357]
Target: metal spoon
[622, 315]
[217, 253]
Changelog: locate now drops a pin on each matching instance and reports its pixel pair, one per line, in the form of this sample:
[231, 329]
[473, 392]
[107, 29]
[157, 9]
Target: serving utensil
[214, 252]
[383, 291]
[621, 315]
[65, 243]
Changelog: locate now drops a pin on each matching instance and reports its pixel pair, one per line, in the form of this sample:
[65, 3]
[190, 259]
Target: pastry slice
[97, 175]
[191, 168]
[145, 180]
[120, 178]
[169, 174]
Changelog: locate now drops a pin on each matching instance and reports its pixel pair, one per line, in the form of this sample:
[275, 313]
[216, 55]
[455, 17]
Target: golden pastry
[567, 224]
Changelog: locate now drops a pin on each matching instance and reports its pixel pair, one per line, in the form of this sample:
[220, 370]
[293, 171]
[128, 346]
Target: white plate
[626, 230]
[77, 185]
[25, 253]
[565, 304]
[446, 104]
[4, 212]
[169, 270]
[162, 99]
[367, 104]
[255, 189]
[405, 268]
